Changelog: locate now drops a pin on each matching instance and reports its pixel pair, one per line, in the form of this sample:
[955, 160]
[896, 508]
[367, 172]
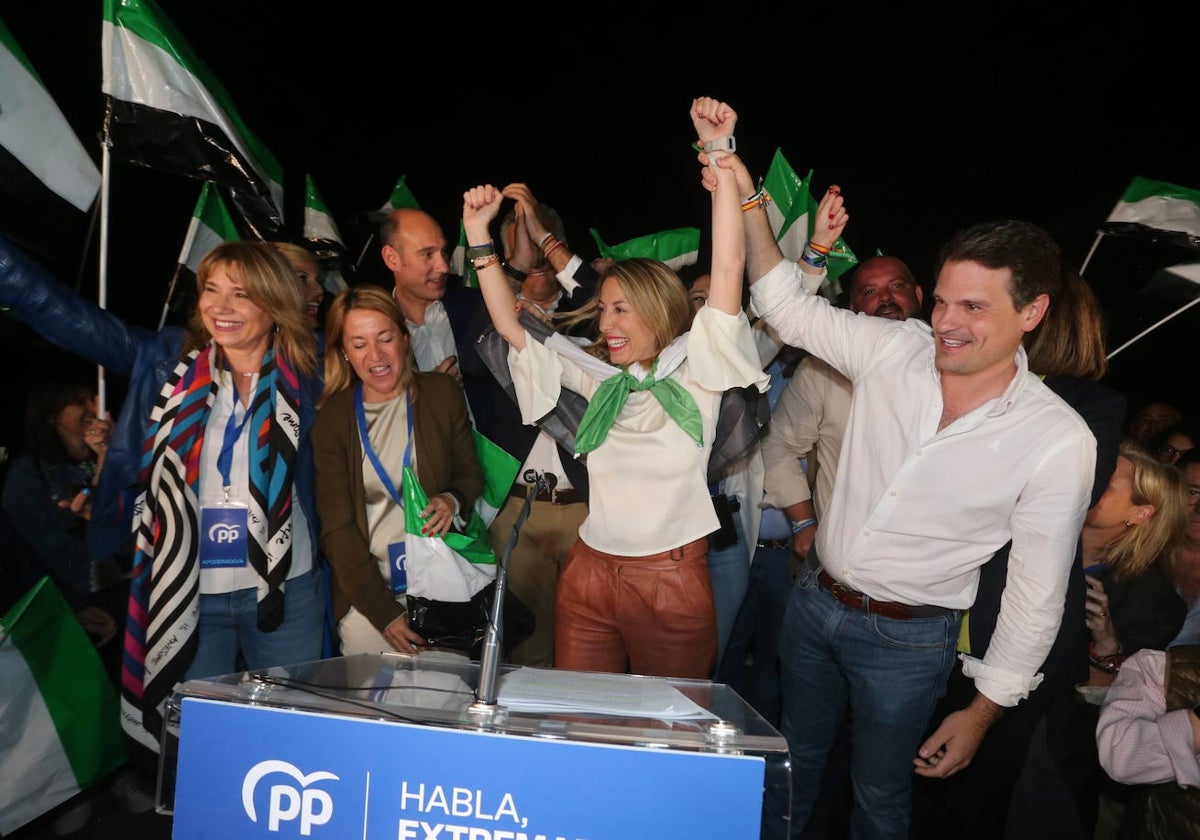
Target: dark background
[929, 121]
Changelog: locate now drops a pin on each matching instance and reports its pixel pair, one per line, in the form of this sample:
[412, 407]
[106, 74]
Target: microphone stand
[489, 659]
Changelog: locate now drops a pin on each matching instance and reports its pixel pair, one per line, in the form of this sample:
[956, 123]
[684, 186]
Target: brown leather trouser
[649, 615]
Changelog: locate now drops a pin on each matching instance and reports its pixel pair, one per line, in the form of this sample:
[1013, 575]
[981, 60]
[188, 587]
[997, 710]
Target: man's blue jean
[758, 623]
[889, 673]
[729, 573]
[229, 625]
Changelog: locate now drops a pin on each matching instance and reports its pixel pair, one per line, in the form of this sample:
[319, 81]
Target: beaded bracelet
[1110, 663]
[481, 263]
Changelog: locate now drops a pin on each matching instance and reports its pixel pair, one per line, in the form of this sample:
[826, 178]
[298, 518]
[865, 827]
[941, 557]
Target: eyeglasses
[1169, 451]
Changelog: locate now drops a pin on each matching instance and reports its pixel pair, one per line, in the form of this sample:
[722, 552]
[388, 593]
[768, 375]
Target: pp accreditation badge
[223, 535]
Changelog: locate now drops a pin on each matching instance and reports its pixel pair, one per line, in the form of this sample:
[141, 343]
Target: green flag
[401, 198]
[677, 247]
[169, 112]
[59, 708]
[792, 213]
[499, 472]
[324, 238]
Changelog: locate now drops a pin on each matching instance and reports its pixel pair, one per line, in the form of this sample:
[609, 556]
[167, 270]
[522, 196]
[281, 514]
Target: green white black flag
[47, 178]
[170, 113]
[59, 708]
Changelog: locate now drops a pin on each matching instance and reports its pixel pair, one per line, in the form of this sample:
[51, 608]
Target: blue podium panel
[250, 771]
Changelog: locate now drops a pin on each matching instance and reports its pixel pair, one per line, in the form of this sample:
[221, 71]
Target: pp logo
[312, 807]
[223, 532]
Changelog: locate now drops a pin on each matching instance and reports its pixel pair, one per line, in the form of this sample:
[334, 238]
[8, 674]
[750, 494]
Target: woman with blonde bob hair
[634, 593]
[379, 414]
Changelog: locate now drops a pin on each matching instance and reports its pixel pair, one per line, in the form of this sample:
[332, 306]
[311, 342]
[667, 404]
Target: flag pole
[102, 291]
[188, 239]
[363, 253]
[1088, 258]
[1178, 311]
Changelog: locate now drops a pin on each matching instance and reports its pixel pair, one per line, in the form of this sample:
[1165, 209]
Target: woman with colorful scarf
[634, 593]
[209, 463]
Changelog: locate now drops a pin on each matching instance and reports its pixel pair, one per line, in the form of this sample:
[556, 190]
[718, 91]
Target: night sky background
[928, 120]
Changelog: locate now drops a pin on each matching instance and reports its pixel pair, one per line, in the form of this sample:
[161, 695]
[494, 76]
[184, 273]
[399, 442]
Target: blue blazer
[146, 358]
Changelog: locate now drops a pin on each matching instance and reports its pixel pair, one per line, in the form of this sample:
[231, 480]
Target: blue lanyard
[370, 450]
[233, 431]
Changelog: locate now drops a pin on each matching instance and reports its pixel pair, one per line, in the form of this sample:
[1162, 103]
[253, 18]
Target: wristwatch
[721, 144]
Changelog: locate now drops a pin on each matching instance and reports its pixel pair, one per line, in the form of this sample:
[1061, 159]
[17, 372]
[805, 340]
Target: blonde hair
[339, 374]
[1156, 538]
[655, 294]
[296, 253]
[270, 284]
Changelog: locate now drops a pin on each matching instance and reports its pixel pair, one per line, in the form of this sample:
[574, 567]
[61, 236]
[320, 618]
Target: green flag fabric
[792, 213]
[449, 568]
[48, 180]
[677, 247]
[323, 238]
[211, 225]
[61, 720]
[499, 472]
[169, 112]
[401, 197]
[1159, 206]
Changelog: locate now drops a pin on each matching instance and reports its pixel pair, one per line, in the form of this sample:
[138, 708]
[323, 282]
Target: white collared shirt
[432, 341]
[217, 580]
[916, 511]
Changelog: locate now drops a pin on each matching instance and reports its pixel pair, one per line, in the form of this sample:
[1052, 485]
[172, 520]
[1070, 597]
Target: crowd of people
[928, 570]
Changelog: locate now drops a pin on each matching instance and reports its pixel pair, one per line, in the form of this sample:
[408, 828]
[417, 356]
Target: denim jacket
[146, 358]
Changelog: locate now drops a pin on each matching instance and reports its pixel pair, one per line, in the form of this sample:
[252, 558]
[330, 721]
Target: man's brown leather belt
[888, 609]
[567, 496]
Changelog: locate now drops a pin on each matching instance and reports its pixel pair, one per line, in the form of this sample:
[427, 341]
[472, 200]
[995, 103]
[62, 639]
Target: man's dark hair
[1025, 249]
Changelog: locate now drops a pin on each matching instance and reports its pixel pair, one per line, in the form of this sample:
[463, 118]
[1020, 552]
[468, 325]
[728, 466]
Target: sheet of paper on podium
[546, 690]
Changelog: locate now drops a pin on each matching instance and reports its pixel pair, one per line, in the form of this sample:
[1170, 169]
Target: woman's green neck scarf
[610, 397]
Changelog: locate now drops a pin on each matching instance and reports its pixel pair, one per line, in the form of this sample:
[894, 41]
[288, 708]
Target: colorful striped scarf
[164, 600]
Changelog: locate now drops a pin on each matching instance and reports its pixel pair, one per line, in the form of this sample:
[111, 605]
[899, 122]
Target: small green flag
[499, 472]
[677, 247]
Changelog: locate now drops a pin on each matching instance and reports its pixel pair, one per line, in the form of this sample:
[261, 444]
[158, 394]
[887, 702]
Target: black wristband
[515, 273]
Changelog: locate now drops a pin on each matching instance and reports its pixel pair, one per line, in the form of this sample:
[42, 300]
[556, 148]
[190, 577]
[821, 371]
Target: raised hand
[745, 181]
[481, 205]
[831, 217]
[712, 118]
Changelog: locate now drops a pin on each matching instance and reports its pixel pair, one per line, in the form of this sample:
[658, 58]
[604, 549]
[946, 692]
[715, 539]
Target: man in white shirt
[952, 448]
[812, 411]
[439, 313]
